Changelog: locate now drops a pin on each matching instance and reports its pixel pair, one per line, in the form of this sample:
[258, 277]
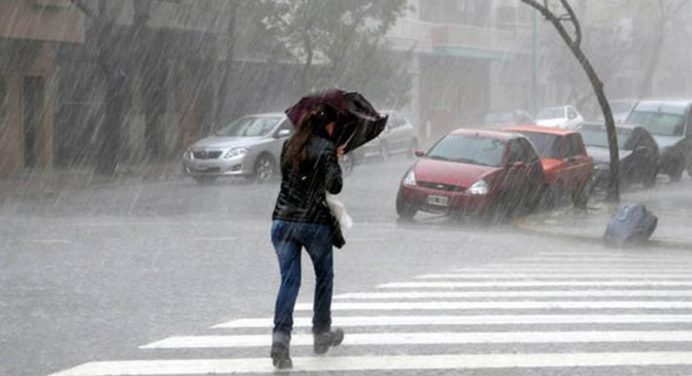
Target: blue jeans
[288, 238]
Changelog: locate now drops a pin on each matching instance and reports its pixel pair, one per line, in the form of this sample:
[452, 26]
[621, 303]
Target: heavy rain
[512, 179]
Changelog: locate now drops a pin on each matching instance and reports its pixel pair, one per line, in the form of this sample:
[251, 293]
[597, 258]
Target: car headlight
[410, 179]
[235, 152]
[479, 188]
[188, 154]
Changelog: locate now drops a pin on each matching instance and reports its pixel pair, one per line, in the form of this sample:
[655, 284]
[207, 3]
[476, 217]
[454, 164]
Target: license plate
[438, 200]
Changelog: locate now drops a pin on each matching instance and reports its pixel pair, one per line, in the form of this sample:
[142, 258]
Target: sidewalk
[39, 183]
[671, 203]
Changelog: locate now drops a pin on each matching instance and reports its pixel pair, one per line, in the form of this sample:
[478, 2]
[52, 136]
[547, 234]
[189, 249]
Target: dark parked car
[398, 137]
[670, 123]
[620, 108]
[474, 172]
[637, 150]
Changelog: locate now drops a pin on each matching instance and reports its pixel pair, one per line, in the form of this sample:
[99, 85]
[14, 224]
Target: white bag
[339, 211]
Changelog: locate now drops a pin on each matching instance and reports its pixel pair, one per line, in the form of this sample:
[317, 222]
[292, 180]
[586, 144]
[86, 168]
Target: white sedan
[560, 117]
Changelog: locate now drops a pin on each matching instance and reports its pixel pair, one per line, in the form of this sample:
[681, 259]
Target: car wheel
[347, 162]
[532, 199]
[206, 180]
[554, 195]
[676, 174]
[265, 169]
[405, 211]
[580, 197]
[384, 151]
[650, 180]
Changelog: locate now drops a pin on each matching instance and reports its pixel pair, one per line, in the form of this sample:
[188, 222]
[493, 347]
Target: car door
[578, 165]
[516, 171]
[280, 134]
[534, 178]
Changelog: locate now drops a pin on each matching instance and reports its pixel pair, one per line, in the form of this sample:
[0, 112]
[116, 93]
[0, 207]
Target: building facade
[31, 34]
[471, 56]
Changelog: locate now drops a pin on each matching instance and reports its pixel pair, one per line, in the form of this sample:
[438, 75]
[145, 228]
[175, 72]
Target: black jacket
[302, 196]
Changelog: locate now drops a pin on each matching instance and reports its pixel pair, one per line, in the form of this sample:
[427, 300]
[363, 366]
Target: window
[516, 152]
[286, 125]
[250, 126]
[547, 145]
[573, 146]
[529, 153]
[469, 149]
[658, 123]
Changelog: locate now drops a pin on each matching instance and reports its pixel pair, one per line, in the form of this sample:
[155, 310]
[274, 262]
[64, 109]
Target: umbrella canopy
[357, 120]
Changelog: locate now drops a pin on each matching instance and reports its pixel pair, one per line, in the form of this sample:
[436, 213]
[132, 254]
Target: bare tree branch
[575, 22]
[596, 83]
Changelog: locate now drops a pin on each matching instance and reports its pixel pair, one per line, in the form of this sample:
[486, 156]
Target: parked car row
[484, 172]
[494, 173]
[251, 146]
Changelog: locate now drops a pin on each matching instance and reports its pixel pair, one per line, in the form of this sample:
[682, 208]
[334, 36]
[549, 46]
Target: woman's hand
[340, 151]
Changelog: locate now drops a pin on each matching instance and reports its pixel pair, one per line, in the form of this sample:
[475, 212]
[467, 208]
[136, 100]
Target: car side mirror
[419, 153]
[283, 133]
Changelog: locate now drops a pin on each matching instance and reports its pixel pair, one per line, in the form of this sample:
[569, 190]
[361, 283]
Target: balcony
[458, 40]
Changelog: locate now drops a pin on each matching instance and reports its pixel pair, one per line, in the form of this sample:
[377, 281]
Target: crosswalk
[625, 313]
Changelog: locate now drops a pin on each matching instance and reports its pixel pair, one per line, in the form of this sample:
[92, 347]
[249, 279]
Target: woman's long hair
[313, 123]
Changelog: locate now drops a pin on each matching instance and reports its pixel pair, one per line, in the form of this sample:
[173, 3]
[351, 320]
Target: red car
[474, 172]
[568, 169]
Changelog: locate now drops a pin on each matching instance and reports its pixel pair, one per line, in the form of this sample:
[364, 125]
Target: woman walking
[302, 219]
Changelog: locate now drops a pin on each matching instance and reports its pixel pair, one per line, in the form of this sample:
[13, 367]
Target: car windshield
[547, 145]
[551, 113]
[599, 138]
[469, 149]
[251, 126]
[658, 123]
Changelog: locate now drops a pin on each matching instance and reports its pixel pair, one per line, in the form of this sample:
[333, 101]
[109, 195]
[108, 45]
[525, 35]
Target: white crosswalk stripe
[468, 320]
[381, 363]
[569, 301]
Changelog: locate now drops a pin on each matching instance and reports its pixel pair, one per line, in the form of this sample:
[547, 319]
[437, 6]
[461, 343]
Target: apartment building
[470, 56]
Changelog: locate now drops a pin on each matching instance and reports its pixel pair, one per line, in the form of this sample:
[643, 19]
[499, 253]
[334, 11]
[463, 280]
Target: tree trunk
[305, 76]
[114, 78]
[575, 46]
[221, 113]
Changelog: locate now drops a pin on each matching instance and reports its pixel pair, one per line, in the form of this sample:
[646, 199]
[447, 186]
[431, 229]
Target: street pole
[535, 63]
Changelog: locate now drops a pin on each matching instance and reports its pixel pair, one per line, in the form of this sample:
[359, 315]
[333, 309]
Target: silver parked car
[249, 147]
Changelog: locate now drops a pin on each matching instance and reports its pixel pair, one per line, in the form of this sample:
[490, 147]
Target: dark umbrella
[357, 122]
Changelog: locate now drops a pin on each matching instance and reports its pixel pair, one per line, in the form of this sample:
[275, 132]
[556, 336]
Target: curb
[525, 225]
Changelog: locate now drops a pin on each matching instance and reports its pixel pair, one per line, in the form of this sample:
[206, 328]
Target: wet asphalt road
[92, 274]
